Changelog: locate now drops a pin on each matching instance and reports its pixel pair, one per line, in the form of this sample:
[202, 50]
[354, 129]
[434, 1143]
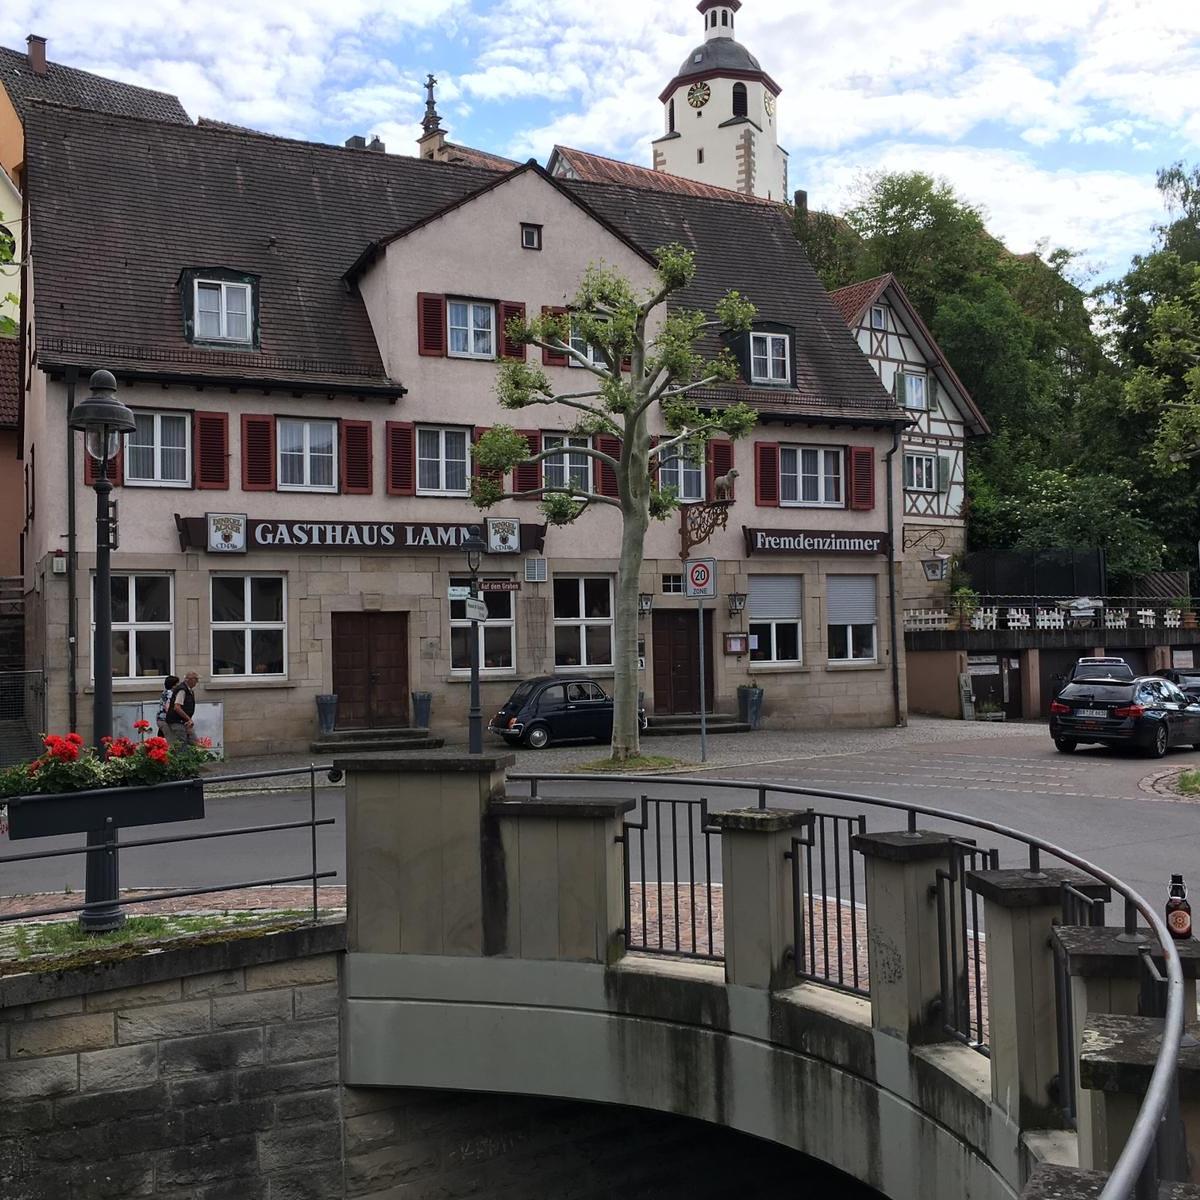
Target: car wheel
[1158, 747]
[1065, 745]
[538, 738]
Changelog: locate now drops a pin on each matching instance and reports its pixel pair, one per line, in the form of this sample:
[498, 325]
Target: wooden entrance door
[677, 663]
[370, 669]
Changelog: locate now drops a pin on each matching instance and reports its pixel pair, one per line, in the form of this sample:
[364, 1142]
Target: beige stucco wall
[12, 136]
[933, 681]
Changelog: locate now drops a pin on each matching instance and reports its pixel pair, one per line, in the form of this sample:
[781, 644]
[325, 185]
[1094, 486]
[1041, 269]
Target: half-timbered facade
[942, 416]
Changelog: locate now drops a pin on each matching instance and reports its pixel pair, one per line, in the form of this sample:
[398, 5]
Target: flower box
[55, 813]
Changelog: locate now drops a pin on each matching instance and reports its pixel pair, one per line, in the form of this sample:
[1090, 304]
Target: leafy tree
[619, 322]
[917, 227]
[836, 251]
[8, 327]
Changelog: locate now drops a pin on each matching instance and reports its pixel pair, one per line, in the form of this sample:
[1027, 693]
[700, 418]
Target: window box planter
[48, 815]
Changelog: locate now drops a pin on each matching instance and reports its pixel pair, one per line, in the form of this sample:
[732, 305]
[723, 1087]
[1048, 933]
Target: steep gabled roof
[853, 301]
[752, 247]
[10, 382]
[125, 205]
[82, 89]
[568, 163]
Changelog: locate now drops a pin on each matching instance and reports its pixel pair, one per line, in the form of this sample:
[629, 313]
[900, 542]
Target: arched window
[724, 17]
[740, 106]
[671, 117]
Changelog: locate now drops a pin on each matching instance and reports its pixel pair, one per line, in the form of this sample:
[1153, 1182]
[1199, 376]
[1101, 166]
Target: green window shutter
[943, 473]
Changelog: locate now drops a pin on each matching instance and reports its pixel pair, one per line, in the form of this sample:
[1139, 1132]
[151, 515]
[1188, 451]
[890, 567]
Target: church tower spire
[433, 138]
[721, 112]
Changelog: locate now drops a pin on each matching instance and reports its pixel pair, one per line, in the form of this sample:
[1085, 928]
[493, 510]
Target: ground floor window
[497, 635]
[776, 609]
[850, 602]
[143, 627]
[583, 621]
[249, 625]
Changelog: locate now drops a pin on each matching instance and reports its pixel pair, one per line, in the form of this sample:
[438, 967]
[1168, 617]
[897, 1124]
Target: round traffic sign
[699, 574]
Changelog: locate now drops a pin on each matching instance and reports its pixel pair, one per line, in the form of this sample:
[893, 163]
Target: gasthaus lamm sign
[237, 533]
[814, 541]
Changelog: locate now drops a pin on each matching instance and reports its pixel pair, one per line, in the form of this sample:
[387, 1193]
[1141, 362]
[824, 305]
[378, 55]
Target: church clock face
[699, 94]
[769, 104]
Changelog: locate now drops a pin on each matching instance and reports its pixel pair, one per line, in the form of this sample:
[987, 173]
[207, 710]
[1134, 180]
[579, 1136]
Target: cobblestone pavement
[766, 746]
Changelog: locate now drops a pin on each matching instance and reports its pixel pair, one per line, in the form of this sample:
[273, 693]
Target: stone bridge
[489, 951]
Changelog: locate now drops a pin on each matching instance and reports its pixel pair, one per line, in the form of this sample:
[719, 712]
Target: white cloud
[1104, 215]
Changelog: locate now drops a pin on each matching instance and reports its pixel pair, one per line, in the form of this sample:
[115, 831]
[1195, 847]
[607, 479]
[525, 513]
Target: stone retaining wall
[211, 1072]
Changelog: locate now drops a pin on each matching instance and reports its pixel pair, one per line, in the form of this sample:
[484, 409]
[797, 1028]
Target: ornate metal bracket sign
[698, 522]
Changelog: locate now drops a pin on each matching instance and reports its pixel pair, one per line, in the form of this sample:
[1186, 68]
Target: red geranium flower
[74, 739]
[141, 724]
[156, 743]
[158, 756]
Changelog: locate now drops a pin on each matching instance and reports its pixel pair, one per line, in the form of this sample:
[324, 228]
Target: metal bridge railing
[312, 876]
[825, 879]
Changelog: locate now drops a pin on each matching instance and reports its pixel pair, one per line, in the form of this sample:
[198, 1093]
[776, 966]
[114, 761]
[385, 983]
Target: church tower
[721, 114]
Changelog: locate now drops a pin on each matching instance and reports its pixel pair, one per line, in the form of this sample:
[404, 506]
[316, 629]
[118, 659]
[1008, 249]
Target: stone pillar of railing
[415, 823]
[1102, 963]
[902, 931]
[1117, 1057]
[554, 878]
[757, 892]
[1020, 909]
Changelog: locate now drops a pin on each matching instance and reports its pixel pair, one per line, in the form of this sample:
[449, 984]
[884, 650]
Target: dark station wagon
[1150, 713]
[556, 708]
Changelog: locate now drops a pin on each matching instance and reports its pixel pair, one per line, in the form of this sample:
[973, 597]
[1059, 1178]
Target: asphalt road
[1092, 802]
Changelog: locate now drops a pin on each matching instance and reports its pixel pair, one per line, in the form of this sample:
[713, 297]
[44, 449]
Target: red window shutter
[431, 324]
[491, 473]
[510, 309]
[211, 451]
[766, 474]
[607, 444]
[718, 461]
[861, 476]
[258, 453]
[401, 458]
[527, 477]
[553, 358]
[627, 363]
[357, 468]
[116, 468]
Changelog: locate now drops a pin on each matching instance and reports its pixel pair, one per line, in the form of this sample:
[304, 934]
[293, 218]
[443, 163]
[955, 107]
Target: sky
[1052, 115]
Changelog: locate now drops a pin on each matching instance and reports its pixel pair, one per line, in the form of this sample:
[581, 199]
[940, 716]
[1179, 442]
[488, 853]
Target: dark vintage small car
[556, 708]
[1149, 713]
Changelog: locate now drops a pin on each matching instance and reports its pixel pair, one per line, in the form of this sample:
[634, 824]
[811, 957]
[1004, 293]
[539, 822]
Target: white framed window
[685, 474]
[566, 469]
[878, 317]
[581, 346]
[159, 451]
[776, 618]
[222, 311]
[472, 325]
[583, 621]
[852, 617]
[769, 355]
[307, 452]
[442, 455]
[811, 475]
[143, 625]
[249, 625]
[920, 473]
[531, 236]
[914, 392]
[672, 585]
[497, 635]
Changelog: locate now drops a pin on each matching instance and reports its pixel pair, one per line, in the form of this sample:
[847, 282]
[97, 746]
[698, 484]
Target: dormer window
[220, 307]
[222, 311]
[770, 354]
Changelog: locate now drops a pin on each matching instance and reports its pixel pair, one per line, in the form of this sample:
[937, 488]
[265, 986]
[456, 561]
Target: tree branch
[554, 451]
[558, 347]
[657, 450]
[574, 493]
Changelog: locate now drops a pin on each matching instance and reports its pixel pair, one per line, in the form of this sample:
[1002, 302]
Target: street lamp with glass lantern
[474, 546]
[103, 420]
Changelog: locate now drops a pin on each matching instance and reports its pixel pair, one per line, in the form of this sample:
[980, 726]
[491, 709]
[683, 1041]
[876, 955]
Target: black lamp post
[103, 419]
[474, 546]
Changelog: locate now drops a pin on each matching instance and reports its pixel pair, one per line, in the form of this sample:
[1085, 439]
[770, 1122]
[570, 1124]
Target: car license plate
[1091, 712]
